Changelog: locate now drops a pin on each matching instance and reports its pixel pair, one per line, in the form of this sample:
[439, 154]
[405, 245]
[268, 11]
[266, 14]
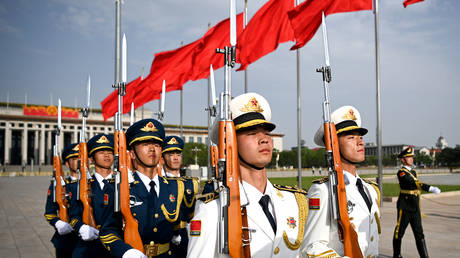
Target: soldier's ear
[131, 154]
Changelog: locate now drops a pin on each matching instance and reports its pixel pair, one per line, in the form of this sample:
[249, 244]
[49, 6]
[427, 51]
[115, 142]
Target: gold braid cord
[180, 196]
[303, 214]
[195, 191]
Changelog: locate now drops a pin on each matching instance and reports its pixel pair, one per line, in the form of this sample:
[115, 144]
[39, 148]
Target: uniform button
[134, 214]
[155, 229]
[372, 238]
[277, 250]
[169, 252]
[156, 215]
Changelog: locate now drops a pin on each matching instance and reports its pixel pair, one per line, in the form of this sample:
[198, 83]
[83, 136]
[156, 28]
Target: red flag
[174, 66]
[110, 103]
[216, 37]
[409, 2]
[268, 28]
[306, 17]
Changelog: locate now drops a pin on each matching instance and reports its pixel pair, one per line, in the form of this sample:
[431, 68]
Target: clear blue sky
[49, 47]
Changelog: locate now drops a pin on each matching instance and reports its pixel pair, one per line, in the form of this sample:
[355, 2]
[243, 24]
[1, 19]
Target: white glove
[62, 227]
[176, 239]
[434, 189]
[133, 253]
[88, 233]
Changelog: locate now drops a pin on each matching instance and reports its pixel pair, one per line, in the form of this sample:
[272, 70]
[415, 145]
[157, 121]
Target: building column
[42, 147]
[49, 145]
[36, 159]
[75, 135]
[7, 143]
[24, 145]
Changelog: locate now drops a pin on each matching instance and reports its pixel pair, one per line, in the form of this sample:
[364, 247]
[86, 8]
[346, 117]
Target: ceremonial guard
[64, 239]
[363, 196]
[100, 152]
[276, 215]
[408, 204]
[172, 163]
[155, 201]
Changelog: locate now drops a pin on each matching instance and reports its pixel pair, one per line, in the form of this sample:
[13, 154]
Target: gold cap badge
[76, 148]
[350, 115]
[149, 127]
[252, 106]
[103, 139]
[173, 141]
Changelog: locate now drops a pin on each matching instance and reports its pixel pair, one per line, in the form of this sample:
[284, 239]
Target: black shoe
[421, 248]
[397, 248]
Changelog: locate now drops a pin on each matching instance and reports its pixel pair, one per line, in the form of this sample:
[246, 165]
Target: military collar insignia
[149, 127]
[291, 222]
[172, 198]
[76, 148]
[252, 106]
[350, 115]
[173, 141]
[106, 199]
[188, 191]
[103, 139]
[350, 206]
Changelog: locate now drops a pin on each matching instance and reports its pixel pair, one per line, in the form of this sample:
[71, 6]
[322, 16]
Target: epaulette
[289, 188]
[67, 181]
[208, 197]
[404, 169]
[321, 180]
[173, 178]
[371, 182]
[73, 181]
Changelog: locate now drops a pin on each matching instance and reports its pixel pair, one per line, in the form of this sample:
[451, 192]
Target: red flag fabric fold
[268, 28]
[409, 2]
[110, 103]
[306, 17]
[216, 37]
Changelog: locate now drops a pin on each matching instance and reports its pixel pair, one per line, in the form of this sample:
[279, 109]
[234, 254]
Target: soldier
[64, 239]
[363, 195]
[408, 204]
[276, 214]
[155, 201]
[172, 157]
[100, 152]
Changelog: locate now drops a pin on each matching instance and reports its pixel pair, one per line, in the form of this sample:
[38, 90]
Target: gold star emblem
[103, 139]
[149, 127]
[76, 148]
[252, 106]
[173, 141]
[350, 115]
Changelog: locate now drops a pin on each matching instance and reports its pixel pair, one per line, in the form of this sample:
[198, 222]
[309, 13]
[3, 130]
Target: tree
[423, 160]
[287, 159]
[188, 156]
[449, 157]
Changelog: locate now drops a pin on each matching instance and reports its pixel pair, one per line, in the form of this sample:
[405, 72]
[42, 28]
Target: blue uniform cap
[173, 143]
[70, 151]
[100, 142]
[145, 130]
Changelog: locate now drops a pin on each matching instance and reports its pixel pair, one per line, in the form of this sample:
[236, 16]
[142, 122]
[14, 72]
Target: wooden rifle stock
[229, 152]
[214, 159]
[85, 189]
[131, 231]
[349, 235]
[59, 191]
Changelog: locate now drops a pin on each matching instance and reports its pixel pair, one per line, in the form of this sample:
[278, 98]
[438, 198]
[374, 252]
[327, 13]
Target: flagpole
[245, 24]
[181, 108]
[117, 40]
[377, 81]
[299, 133]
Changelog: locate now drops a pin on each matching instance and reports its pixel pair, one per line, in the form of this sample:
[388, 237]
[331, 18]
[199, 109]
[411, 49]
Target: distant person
[313, 170]
[408, 204]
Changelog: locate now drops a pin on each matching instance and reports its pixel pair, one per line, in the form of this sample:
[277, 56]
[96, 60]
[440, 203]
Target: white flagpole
[377, 81]
[299, 120]
[245, 24]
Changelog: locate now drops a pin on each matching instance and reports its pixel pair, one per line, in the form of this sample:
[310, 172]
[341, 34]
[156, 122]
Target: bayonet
[131, 120]
[161, 104]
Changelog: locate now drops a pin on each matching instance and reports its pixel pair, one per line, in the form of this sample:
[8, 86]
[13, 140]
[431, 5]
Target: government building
[27, 132]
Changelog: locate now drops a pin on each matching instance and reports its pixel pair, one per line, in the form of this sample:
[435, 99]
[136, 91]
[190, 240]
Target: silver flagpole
[117, 40]
[245, 24]
[377, 81]
[299, 132]
[181, 109]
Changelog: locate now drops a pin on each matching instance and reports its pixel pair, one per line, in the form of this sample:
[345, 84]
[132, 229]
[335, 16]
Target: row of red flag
[276, 22]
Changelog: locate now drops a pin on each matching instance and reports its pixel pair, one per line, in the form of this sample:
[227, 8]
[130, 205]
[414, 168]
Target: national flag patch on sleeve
[49, 191]
[313, 203]
[401, 174]
[195, 228]
[106, 199]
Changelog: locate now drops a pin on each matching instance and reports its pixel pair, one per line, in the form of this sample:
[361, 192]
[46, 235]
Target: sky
[49, 47]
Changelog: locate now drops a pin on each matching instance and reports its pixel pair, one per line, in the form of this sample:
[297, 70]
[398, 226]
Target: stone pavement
[24, 231]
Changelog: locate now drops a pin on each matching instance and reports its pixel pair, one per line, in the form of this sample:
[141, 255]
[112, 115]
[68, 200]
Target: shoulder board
[290, 188]
[172, 178]
[321, 180]
[404, 169]
[73, 181]
[208, 197]
[91, 180]
[371, 182]
[67, 181]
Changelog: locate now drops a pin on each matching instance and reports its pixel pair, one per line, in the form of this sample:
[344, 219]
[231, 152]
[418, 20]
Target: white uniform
[264, 243]
[322, 239]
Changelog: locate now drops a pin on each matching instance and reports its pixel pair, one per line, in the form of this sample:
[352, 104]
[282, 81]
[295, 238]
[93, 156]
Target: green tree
[423, 159]
[449, 157]
[390, 161]
[287, 158]
[188, 156]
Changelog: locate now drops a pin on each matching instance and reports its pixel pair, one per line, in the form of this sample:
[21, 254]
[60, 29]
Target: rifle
[59, 193]
[131, 122]
[84, 187]
[231, 239]
[337, 191]
[131, 230]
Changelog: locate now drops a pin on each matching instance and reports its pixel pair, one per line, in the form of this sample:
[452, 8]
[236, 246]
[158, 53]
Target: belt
[152, 249]
[410, 192]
